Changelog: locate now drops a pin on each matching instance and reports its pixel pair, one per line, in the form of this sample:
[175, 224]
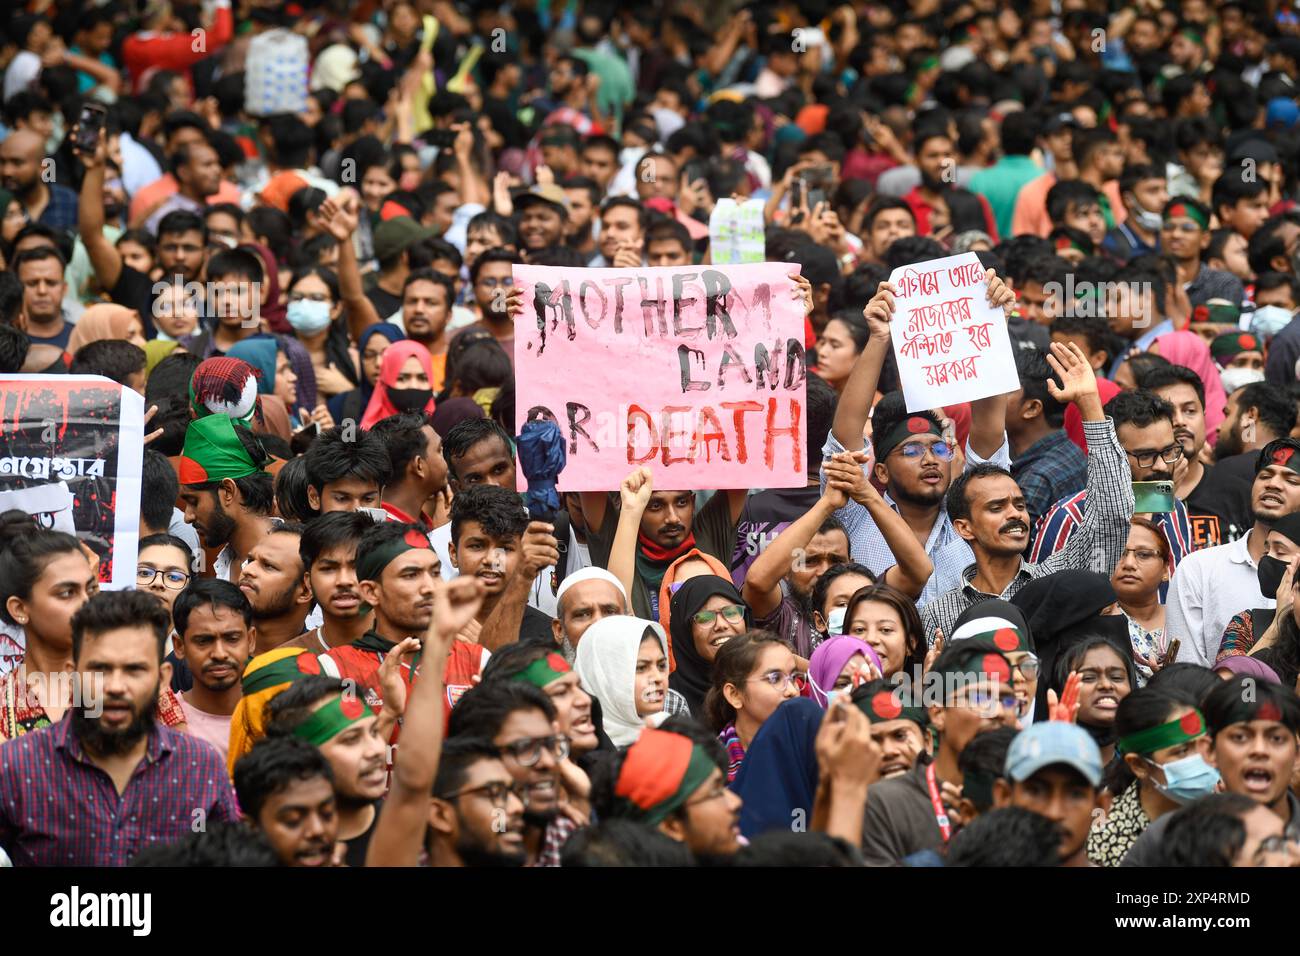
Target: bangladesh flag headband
[1188, 727]
[214, 452]
[1184, 211]
[332, 719]
[885, 705]
[659, 773]
[1009, 640]
[544, 670]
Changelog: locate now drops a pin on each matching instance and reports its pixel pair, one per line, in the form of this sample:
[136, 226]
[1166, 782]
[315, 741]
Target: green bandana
[371, 565]
[544, 671]
[1188, 727]
[1183, 210]
[331, 720]
[659, 773]
[214, 452]
[884, 705]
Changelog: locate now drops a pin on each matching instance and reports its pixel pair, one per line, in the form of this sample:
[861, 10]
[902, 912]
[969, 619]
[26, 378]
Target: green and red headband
[659, 773]
[327, 722]
[1181, 210]
[1188, 727]
[1008, 640]
[1234, 343]
[885, 705]
[371, 565]
[545, 670]
[909, 427]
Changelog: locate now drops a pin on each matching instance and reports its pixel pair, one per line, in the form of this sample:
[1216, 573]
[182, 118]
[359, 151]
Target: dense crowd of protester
[1056, 626]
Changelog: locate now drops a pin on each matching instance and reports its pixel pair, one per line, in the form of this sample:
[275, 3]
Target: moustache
[1013, 526]
[670, 529]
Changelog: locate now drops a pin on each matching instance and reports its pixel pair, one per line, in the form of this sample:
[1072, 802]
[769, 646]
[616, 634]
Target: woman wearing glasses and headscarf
[707, 611]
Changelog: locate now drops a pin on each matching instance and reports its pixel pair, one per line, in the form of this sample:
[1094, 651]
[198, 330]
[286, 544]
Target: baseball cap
[396, 235]
[1282, 113]
[1059, 121]
[1052, 742]
[550, 193]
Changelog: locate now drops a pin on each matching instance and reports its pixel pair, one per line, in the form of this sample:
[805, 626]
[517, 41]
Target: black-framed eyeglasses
[915, 450]
[528, 751]
[1028, 666]
[1146, 459]
[496, 792]
[172, 580]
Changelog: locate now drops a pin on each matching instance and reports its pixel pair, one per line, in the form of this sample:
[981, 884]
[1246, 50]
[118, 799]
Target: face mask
[835, 623]
[1150, 221]
[1235, 378]
[630, 154]
[1268, 321]
[1187, 779]
[1270, 574]
[307, 316]
[410, 399]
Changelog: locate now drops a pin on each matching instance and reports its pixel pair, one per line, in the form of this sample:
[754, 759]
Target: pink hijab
[101, 321]
[390, 366]
[1190, 351]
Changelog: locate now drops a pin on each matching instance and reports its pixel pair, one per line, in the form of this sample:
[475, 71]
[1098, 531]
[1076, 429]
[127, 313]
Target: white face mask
[835, 623]
[630, 154]
[1268, 320]
[1235, 378]
[1150, 221]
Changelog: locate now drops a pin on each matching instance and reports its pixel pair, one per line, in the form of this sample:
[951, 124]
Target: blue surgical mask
[1267, 321]
[307, 316]
[1187, 779]
[835, 622]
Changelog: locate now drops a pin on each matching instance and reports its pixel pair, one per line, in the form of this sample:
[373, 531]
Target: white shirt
[1209, 587]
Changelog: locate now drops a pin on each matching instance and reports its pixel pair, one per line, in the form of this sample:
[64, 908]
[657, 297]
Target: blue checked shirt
[946, 549]
[1098, 542]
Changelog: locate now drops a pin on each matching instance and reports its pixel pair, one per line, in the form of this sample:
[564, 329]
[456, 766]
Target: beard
[474, 854]
[925, 497]
[567, 650]
[1229, 445]
[276, 605]
[95, 737]
[220, 527]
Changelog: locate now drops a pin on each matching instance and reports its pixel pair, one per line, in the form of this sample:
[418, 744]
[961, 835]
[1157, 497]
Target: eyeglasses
[779, 679]
[496, 792]
[732, 612]
[491, 282]
[987, 704]
[1188, 227]
[172, 580]
[529, 750]
[1141, 555]
[1146, 459]
[1028, 666]
[916, 450]
[719, 790]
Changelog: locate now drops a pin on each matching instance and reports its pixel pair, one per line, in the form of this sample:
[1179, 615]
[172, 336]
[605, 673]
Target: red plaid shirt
[59, 809]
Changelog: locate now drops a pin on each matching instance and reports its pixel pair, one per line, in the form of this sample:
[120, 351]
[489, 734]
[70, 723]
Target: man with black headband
[901, 730]
[913, 454]
[228, 497]
[397, 571]
[1212, 585]
[966, 692]
[1253, 726]
[988, 510]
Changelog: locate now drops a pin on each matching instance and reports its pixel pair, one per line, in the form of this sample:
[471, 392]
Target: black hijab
[1061, 609]
[1104, 631]
[694, 674]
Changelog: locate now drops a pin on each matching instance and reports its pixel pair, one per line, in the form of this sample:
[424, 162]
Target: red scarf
[653, 552]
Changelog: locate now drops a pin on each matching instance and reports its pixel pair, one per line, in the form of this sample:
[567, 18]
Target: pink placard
[697, 372]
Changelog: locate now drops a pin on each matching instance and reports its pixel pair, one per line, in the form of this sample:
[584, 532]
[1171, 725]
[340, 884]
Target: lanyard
[940, 815]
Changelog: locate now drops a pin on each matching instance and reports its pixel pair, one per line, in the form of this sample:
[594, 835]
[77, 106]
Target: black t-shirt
[764, 516]
[1219, 507]
[385, 303]
[535, 628]
[358, 845]
[135, 291]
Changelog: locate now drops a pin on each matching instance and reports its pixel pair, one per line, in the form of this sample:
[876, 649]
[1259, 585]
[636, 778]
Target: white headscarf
[589, 574]
[606, 665]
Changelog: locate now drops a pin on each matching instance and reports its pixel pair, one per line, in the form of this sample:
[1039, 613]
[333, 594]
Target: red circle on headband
[1006, 639]
[1190, 723]
[918, 425]
[415, 539]
[1283, 455]
[1246, 342]
[352, 708]
[996, 666]
[884, 705]
[1268, 711]
[556, 663]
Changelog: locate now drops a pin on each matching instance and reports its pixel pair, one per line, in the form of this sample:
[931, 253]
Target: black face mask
[410, 399]
[1270, 574]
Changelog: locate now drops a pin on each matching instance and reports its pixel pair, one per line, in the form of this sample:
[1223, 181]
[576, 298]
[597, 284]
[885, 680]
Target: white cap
[589, 574]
